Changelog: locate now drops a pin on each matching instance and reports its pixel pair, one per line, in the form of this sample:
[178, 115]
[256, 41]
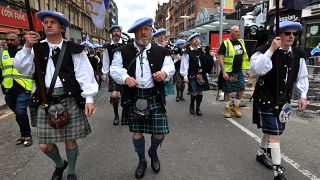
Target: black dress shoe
[182, 99]
[72, 177]
[264, 161]
[177, 99]
[155, 163]
[58, 172]
[116, 120]
[198, 111]
[280, 176]
[141, 169]
[192, 110]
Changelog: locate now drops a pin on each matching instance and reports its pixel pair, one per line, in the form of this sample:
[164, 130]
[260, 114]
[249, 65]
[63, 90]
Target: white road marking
[294, 164]
[5, 114]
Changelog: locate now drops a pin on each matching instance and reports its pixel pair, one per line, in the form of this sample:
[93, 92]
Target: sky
[131, 10]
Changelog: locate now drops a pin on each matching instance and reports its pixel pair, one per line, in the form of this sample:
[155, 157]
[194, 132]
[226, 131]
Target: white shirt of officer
[143, 71]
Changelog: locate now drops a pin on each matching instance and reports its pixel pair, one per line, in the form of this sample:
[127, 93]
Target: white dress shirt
[261, 64]
[143, 71]
[106, 60]
[23, 61]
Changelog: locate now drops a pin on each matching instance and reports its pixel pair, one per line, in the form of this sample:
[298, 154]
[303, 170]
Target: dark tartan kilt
[169, 87]
[193, 85]
[156, 122]
[267, 121]
[228, 87]
[113, 86]
[78, 126]
[177, 77]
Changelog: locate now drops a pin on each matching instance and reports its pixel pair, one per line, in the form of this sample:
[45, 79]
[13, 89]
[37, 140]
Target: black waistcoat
[194, 57]
[111, 48]
[288, 63]
[155, 55]
[66, 73]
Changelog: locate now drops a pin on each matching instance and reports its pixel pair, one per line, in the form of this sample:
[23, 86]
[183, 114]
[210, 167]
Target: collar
[191, 48]
[53, 45]
[120, 42]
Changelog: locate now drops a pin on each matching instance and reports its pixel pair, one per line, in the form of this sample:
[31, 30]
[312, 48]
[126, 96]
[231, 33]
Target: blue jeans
[18, 103]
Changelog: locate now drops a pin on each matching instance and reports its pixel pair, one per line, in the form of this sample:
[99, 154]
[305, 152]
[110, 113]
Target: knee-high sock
[72, 155]
[155, 143]
[139, 146]
[199, 100]
[115, 103]
[263, 145]
[275, 156]
[182, 89]
[193, 99]
[55, 156]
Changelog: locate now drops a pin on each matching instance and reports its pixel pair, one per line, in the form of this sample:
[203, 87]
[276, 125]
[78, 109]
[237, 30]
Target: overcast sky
[131, 10]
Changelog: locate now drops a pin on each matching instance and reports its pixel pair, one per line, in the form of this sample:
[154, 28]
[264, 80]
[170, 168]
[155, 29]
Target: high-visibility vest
[9, 73]
[230, 53]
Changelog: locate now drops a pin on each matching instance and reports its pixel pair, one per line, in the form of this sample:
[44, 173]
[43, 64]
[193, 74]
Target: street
[206, 147]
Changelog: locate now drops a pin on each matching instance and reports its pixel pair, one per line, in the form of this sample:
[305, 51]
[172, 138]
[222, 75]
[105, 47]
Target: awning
[8, 29]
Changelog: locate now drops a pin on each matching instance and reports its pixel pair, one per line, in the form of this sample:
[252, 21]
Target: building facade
[13, 18]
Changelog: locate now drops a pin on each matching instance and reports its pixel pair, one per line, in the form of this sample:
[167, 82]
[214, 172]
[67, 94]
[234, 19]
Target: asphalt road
[207, 147]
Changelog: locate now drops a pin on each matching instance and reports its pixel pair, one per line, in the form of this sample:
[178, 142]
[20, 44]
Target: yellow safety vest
[9, 73]
[230, 53]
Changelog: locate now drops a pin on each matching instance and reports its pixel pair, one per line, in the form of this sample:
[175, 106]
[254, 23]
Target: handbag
[57, 113]
[200, 79]
[142, 109]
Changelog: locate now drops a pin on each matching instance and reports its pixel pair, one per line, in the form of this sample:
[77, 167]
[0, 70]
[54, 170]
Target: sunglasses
[289, 33]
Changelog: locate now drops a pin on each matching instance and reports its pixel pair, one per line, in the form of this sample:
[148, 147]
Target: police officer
[269, 112]
[75, 88]
[114, 88]
[143, 68]
[16, 87]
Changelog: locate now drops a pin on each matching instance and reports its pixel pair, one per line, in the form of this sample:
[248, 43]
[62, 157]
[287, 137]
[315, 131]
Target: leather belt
[58, 99]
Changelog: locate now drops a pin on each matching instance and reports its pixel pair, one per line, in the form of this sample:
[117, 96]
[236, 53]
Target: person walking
[142, 69]
[74, 90]
[17, 87]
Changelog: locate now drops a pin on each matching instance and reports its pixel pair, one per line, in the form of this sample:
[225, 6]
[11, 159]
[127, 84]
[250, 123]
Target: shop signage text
[13, 18]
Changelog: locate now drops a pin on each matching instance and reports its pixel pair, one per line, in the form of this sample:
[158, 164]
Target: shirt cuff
[124, 77]
[303, 95]
[89, 99]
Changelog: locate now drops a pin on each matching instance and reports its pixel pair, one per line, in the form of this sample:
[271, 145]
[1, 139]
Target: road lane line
[5, 114]
[294, 164]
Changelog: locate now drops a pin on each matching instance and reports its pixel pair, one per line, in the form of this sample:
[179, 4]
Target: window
[37, 4]
[177, 16]
[46, 5]
[191, 7]
[313, 35]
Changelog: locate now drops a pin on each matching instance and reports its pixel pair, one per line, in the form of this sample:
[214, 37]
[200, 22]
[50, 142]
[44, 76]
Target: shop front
[311, 18]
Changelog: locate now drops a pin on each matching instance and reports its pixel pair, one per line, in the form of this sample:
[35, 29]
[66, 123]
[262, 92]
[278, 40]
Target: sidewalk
[2, 102]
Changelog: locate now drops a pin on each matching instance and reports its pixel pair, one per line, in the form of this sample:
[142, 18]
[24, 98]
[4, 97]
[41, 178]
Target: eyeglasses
[10, 39]
[289, 33]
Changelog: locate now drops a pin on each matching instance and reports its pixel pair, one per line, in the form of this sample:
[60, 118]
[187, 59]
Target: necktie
[55, 55]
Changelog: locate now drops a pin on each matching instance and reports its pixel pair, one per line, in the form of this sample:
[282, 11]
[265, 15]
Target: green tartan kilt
[169, 87]
[156, 122]
[78, 126]
[113, 86]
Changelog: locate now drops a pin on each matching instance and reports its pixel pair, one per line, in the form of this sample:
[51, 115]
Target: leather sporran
[200, 79]
[142, 109]
[58, 116]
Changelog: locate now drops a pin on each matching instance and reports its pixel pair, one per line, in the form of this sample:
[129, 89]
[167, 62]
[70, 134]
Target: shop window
[312, 36]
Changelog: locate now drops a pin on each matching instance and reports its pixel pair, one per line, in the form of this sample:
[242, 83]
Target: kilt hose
[156, 122]
[77, 127]
[267, 121]
[228, 87]
[177, 77]
[113, 86]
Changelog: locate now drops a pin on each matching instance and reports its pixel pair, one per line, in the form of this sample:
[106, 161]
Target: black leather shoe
[280, 176]
[192, 110]
[72, 177]
[116, 120]
[177, 99]
[155, 163]
[182, 99]
[264, 161]
[198, 111]
[141, 169]
[58, 172]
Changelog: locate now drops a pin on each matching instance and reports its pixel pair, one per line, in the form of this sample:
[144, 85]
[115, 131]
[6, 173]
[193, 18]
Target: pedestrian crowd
[141, 74]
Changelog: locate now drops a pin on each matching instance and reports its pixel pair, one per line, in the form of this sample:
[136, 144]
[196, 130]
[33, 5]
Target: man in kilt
[194, 69]
[269, 111]
[143, 68]
[114, 88]
[233, 58]
[177, 55]
[74, 89]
